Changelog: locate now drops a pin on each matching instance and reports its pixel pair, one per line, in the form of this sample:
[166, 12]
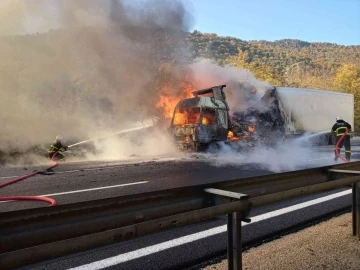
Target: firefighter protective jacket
[340, 127]
[57, 146]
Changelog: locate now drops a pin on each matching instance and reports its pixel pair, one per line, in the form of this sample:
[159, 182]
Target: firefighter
[58, 147]
[339, 128]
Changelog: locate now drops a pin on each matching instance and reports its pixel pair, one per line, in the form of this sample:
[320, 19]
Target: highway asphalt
[183, 247]
[83, 181]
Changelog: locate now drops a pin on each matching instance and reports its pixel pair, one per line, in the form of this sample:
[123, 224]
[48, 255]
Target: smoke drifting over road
[98, 70]
[286, 156]
[88, 68]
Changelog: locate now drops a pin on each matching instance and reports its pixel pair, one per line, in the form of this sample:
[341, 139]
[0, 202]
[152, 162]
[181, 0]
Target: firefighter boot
[347, 156]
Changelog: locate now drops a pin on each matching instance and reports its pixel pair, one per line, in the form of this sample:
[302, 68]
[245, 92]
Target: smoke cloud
[207, 73]
[266, 146]
[96, 71]
[89, 68]
[285, 156]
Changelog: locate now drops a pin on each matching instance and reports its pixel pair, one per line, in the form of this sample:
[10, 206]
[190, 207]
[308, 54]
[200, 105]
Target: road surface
[179, 248]
[84, 181]
[184, 247]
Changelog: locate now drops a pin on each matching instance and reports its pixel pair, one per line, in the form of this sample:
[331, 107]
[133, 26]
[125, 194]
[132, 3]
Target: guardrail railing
[33, 235]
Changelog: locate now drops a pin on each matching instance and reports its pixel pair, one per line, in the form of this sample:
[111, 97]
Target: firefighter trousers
[58, 156]
[345, 142]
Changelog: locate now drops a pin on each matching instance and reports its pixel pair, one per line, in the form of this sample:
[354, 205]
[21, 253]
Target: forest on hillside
[287, 62]
[59, 70]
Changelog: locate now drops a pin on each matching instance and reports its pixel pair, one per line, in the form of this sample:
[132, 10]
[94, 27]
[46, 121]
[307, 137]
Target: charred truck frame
[200, 122]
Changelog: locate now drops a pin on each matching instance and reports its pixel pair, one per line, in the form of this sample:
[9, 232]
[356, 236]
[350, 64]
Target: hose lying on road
[337, 147]
[52, 202]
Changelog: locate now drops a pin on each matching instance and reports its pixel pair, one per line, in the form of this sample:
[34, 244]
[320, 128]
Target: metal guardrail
[33, 235]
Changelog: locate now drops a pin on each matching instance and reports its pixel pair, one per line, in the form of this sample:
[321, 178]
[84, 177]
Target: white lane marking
[200, 235]
[319, 158]
[6, 177]
[139, 163]
[86, 190]
[328, 158]
[82, 170]
[92, 189]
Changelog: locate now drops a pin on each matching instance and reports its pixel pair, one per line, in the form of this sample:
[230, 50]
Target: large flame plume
[168, 99]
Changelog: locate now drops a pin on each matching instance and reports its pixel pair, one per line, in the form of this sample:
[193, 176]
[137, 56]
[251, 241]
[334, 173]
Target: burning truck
[200, 123]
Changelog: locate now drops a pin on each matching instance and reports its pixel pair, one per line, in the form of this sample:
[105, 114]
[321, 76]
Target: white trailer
[314, 111]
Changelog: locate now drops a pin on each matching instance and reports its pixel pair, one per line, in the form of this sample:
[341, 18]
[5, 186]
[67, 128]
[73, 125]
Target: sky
[334, 21]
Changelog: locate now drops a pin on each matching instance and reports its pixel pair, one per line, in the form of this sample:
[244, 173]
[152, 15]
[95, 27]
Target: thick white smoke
[207, 73]
[286, 156]
[282, 156]
[89, 68]
[98, 70]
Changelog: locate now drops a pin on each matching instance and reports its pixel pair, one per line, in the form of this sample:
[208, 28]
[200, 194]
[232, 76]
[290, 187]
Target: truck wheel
[213, 148]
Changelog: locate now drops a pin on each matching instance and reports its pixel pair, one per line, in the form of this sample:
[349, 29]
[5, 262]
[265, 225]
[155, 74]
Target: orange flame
[209, 117]
[232, 137]
[168, 99]
[251, 129]
[187, 116]
[205, 121]
[180, 118]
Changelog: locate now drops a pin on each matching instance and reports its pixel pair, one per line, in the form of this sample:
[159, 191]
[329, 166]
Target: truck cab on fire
[200, 122]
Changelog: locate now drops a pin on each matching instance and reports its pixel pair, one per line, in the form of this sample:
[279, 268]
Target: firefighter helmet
[59, 137]
[339, 118]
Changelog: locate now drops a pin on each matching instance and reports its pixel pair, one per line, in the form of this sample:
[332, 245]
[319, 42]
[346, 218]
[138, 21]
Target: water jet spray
[114, 134]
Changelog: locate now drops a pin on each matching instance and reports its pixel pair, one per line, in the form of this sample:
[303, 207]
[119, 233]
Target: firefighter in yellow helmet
[339, 128]
[57, 147]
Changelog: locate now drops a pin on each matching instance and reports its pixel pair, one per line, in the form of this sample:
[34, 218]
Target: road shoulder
[328, 245]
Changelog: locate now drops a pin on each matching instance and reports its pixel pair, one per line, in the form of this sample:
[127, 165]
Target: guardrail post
[355, 199]
[237, 242]
[356, 209]
[234, 219]
[230, 253]
[234, 241]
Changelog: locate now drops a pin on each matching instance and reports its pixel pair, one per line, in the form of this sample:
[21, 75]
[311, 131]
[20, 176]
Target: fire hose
[337, 147]
[51, 201]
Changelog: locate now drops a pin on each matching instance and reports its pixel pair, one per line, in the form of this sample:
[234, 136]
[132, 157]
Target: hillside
[287, 62]
[86, 77]
[280, 55]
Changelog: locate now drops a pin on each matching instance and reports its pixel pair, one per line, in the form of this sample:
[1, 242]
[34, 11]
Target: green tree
[347, 79]
[260, 71]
